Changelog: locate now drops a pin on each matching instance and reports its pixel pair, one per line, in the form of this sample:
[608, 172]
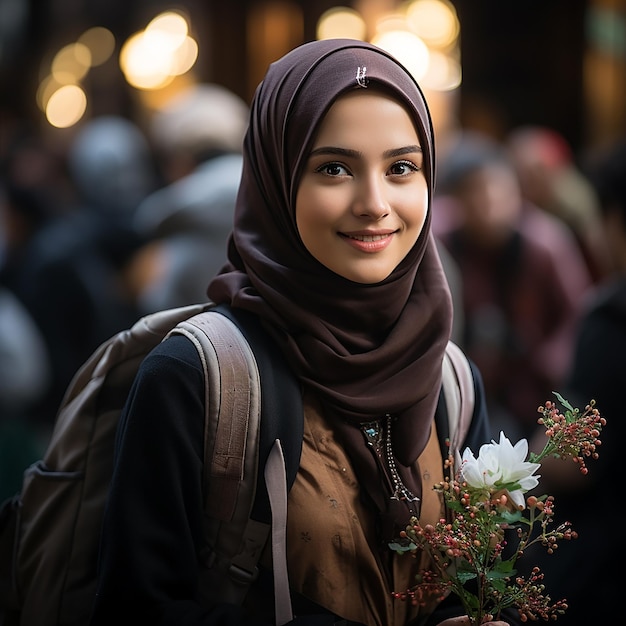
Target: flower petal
[500, 464]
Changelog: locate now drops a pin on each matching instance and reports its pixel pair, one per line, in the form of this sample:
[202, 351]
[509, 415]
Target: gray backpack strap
[276, 481]
[458, 388]
[233, 395]
[232, 432]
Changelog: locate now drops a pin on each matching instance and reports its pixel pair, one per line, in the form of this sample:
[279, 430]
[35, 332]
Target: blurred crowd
[123, 221]
[129, 220]
[539, 243]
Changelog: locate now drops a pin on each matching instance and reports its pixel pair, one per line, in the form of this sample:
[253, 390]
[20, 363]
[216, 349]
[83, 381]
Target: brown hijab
[365, 350]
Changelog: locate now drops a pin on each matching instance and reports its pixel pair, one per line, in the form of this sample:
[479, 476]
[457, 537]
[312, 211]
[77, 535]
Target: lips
[368, 242]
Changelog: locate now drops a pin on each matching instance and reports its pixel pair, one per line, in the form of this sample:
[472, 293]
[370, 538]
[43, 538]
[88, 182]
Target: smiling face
[363, 197]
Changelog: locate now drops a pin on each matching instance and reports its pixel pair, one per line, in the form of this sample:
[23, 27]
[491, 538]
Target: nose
[371, 200]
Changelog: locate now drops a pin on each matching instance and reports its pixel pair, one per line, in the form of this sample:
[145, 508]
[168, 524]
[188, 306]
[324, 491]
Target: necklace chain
[378, 437]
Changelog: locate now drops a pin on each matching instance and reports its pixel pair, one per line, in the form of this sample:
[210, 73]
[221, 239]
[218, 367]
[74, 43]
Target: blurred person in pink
[550, 179]
[523, 281]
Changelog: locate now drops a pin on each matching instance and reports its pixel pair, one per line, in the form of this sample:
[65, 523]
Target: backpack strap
[276, 481]
[458, 389]
[233, 394]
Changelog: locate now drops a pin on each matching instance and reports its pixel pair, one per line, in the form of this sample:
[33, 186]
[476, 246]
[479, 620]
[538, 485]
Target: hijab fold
[365, 350]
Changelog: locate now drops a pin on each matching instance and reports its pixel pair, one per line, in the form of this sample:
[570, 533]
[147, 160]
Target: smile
[368, 237]
[369, 243]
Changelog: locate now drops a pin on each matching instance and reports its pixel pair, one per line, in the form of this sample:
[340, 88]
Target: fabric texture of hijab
[366, 350]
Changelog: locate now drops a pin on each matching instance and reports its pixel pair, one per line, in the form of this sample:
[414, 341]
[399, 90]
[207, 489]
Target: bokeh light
[435, 21]
[66, 106]
[100, 42]
[71, 63]
[341, 22]
[407, 47]
[152, 58]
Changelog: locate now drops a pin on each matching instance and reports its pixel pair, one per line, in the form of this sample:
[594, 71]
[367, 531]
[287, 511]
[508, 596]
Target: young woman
[332, 251]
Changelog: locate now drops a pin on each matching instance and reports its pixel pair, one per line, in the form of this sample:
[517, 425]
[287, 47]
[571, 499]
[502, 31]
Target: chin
[369, 278]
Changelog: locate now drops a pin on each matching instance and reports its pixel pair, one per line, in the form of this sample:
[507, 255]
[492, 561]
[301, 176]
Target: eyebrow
[395, 152]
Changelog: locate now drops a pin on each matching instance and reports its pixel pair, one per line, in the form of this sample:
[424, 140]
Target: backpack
[49, 531]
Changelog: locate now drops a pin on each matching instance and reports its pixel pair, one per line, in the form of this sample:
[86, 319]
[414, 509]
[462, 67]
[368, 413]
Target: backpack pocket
[51, 550]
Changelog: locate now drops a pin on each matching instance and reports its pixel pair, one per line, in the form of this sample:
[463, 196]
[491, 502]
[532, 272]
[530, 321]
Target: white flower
[501, 466]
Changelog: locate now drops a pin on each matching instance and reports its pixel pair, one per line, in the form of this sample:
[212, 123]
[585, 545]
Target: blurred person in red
[550, 179]
[523, 279]
[597, 372]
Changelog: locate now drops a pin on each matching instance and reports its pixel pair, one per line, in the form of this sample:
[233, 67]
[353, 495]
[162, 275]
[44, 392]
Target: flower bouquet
[490, 522]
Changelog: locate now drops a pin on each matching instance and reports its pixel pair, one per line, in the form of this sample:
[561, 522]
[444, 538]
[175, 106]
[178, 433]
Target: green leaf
[465, 576]
[463, 566]
[402, 548]
[512, 517]
[563, 401]
[471, 601]
[512, 486]
[455, 505]
[506, 567]
[499, 584]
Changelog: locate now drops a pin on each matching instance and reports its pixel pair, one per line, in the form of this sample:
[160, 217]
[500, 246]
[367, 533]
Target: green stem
[548, 450]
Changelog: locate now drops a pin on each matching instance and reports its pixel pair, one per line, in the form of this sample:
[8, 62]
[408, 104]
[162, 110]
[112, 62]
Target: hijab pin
[361, 80]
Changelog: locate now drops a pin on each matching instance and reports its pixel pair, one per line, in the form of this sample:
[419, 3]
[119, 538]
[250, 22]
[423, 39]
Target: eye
[333, 169]
[403, 168]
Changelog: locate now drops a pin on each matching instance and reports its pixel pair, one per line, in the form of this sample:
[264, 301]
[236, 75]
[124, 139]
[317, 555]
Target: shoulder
[173, 355]
[169, 384]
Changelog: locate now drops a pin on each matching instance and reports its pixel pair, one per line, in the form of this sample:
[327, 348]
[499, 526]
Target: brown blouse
[332, 550]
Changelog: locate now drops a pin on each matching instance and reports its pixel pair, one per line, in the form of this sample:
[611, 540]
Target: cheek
[317, 207]
[309, 216]
[414, 212]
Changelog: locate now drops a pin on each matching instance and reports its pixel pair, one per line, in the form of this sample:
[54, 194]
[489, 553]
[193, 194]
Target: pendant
[373, 436]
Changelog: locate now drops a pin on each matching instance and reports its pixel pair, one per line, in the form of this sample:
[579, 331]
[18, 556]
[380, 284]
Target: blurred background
[558, 63]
